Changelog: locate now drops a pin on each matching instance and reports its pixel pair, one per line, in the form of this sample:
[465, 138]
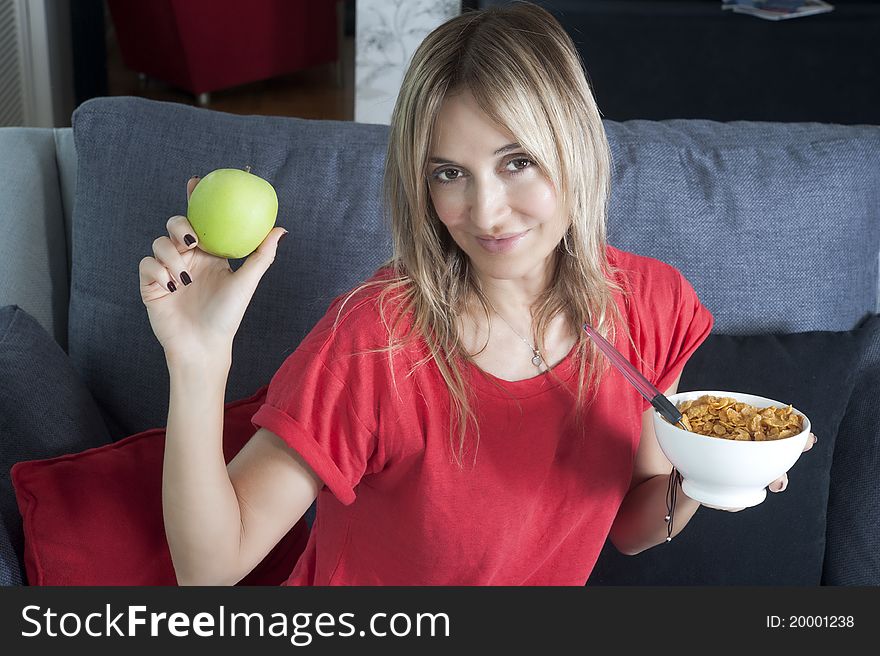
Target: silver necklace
[536, 354]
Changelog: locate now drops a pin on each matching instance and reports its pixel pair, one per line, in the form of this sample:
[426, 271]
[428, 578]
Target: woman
[458, 425]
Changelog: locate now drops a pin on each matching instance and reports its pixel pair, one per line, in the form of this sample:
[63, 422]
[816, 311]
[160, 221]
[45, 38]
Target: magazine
[778, 9]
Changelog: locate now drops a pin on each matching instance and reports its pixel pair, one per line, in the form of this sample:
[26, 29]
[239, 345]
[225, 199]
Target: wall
[387, 32]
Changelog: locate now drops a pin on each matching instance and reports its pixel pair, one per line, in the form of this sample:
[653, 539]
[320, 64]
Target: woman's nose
[489, 204]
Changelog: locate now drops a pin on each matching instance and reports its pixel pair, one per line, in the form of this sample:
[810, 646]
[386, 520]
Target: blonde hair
[524, 71]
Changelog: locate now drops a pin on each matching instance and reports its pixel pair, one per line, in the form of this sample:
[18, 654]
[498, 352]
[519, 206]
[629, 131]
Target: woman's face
[497, 205]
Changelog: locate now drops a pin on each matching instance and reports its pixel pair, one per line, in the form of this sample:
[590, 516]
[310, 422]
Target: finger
[190, 185]
[166, 252]
[258, 262]
[811, 442]
[779, 484]
[182, 233]
[151, 271]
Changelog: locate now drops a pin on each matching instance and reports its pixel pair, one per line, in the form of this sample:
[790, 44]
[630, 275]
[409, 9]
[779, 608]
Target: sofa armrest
[33, 251]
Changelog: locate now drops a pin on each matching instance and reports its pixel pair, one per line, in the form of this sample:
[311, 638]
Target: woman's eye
[447, 175]
[519, 164]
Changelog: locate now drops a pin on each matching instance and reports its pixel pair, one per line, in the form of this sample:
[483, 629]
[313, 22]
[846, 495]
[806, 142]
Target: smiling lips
[502, 245]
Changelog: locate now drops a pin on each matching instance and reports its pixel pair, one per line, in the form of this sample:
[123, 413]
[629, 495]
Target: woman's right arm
[221, 521]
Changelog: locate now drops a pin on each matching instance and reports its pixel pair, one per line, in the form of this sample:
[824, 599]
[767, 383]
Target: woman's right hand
[199, 320]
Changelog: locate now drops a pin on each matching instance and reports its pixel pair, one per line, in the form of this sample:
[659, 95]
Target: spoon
[654, 396]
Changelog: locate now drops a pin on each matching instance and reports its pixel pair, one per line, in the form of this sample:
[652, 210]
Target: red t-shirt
[537, 506]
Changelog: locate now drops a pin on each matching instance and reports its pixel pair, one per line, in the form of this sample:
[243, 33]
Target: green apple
[232, 211]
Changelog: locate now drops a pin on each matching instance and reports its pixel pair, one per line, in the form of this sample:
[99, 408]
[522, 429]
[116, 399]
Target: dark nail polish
[171, 286]
[185, 278]
[189, 240]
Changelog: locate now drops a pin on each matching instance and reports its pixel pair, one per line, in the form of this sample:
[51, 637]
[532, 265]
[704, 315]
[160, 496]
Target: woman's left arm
[640, 521]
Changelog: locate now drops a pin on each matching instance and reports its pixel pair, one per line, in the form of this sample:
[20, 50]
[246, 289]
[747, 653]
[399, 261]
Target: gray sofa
[777, 226]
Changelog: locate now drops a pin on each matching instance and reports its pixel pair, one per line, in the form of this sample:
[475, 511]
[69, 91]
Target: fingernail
[283, 235]
[189, 240]
[184, 277]
[171, 286]
[815, 439]
[783, 486]
[195, 177]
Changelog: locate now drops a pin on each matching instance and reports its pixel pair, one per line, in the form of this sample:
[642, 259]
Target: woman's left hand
[780, 483]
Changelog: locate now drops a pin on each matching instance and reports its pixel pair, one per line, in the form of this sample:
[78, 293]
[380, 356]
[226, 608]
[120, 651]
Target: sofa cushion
[95, 517]
[45, 411]
[134, 157]
[776, 225]
[853, 553]
[782, 540]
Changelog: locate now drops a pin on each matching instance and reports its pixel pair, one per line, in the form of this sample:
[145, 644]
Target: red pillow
[95, 518]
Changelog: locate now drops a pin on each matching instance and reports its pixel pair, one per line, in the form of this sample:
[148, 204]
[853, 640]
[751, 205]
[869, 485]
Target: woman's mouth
[502, 245]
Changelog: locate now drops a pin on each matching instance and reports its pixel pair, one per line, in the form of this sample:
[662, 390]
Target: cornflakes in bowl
[735, 445]
[725, 417]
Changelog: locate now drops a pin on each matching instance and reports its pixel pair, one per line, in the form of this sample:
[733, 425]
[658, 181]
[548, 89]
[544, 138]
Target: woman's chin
[508, 268]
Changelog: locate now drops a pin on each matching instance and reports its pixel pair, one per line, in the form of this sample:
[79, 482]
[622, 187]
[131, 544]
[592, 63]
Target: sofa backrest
[775, 225]
[37, 172]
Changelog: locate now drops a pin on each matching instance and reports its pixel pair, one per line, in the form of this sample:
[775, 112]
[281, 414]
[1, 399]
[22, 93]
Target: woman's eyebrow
[500, 151]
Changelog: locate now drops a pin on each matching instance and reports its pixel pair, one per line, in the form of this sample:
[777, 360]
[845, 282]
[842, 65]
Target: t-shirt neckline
[537, 384]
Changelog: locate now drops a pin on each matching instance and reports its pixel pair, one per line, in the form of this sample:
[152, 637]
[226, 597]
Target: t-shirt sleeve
[311, 404]
[673, 324]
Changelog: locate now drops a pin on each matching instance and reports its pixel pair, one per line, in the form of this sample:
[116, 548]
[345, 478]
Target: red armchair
[208, 45]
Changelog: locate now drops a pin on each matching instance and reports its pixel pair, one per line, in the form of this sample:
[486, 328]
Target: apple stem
[247, 169]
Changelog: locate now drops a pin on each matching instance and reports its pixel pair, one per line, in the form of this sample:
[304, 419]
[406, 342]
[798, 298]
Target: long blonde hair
[524, 72]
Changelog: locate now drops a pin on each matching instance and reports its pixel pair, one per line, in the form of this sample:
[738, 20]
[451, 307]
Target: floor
[321, 92]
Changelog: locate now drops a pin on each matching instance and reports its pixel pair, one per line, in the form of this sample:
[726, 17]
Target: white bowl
[728, 473]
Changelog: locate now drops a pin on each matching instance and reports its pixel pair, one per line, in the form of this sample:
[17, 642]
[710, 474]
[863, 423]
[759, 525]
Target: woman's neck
[514, 298]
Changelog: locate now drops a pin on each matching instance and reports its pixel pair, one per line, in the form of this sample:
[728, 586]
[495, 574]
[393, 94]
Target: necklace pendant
[536, 360]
